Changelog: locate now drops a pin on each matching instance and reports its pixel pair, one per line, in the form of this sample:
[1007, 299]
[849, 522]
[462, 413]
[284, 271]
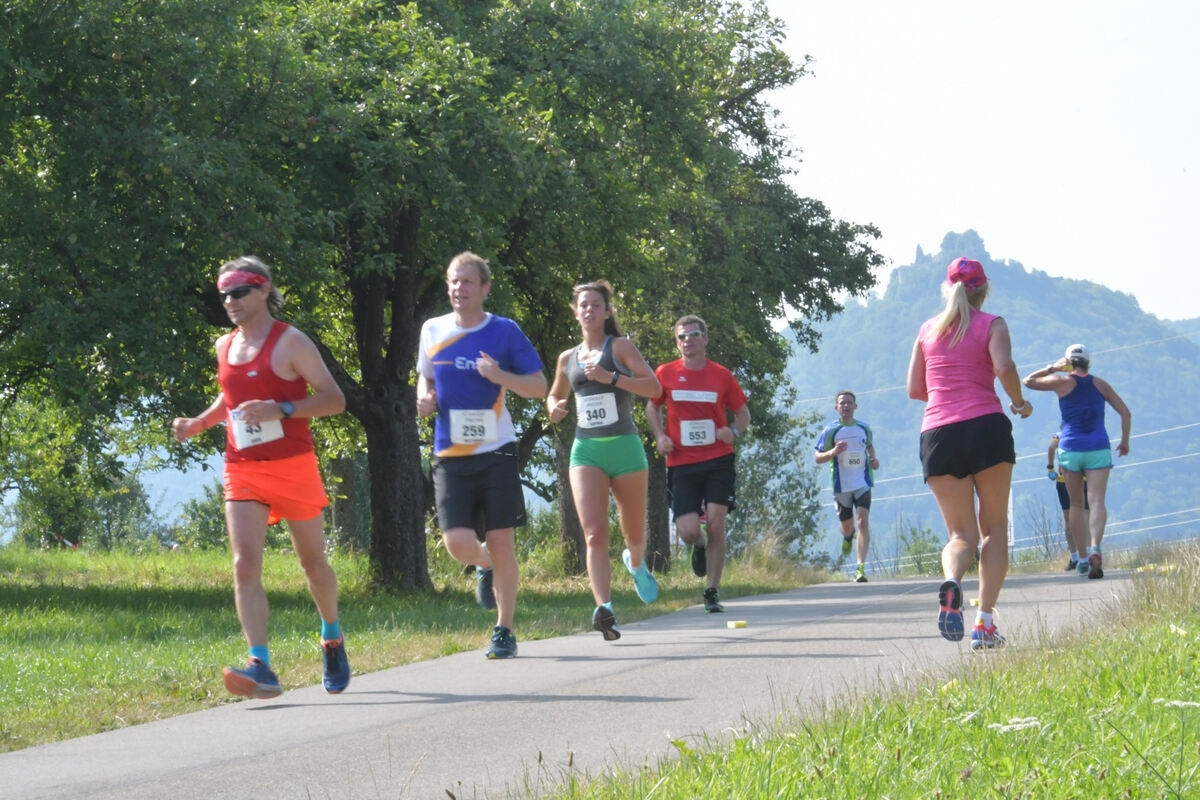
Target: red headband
[239, 277]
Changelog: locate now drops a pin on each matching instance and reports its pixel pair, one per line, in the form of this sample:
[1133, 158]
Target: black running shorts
[968, 447]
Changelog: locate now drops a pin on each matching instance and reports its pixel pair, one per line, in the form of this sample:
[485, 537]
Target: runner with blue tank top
[847, 446]
[607, 455]
[1084, 449]
[468, 360]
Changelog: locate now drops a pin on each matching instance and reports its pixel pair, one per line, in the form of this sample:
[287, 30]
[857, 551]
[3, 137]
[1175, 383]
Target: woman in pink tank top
[967, 450]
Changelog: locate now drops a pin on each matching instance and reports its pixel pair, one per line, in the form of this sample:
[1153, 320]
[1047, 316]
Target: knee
[247, 569]
[596, 538]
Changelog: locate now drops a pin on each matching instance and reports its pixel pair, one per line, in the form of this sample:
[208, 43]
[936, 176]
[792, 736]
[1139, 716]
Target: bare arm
[917, 389]
[556, 399]
[741, 421]
[186, 427]
[642, 382]
[1000, 349]
[655, 422]
[1119, 406]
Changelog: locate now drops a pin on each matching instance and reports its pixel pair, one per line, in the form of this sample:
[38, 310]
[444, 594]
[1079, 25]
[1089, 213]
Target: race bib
[595, 410]
[696, 432]
[245, 436]
[853, 459]
[472, 426]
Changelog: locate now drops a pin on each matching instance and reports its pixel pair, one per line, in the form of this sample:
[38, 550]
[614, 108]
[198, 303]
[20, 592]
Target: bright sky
[1065, 133]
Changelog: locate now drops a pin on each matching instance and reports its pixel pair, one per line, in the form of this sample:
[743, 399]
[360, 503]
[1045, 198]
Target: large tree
[357, 146]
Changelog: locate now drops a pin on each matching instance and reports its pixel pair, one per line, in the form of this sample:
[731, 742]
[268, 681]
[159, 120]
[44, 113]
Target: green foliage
[357, 146]
[777, 490]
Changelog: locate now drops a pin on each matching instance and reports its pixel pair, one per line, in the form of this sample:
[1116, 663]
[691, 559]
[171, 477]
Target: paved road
[577, 704]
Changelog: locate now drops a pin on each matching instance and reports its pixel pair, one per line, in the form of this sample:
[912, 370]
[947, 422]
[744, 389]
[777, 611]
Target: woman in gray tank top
[603, 371]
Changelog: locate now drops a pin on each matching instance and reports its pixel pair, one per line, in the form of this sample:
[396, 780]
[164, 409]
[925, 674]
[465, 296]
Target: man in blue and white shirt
[847, 447]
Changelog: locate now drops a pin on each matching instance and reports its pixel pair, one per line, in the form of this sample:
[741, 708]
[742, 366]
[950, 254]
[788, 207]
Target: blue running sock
[260, 652]
[331, 631]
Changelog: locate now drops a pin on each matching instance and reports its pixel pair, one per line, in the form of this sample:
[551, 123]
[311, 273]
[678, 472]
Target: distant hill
[1151, 363]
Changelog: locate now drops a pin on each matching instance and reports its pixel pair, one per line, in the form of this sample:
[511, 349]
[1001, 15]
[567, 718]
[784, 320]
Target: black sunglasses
[237, 293]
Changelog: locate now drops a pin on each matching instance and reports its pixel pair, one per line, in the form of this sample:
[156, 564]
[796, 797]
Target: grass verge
[1113, 714]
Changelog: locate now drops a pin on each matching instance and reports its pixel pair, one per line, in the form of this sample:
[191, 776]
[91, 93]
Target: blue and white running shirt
[472, 417]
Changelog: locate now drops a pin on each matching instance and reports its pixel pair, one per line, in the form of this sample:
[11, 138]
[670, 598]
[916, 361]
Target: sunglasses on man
[683, 337]
[237, 293]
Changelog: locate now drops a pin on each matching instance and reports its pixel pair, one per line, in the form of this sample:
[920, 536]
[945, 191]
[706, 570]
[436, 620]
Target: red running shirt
[255, 380]
[697, 401]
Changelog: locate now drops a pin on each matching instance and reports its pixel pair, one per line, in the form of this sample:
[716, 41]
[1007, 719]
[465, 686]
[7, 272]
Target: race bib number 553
[696, 432]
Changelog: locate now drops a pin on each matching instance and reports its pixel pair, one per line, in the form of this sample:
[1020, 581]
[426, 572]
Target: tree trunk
[574, 548]
[658, 514]
[398, 556]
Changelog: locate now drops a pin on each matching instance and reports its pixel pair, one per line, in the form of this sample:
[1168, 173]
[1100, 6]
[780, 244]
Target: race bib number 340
[472, 426]
[595, 410]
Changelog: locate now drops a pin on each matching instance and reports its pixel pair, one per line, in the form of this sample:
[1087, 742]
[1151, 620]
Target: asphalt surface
[465, 727]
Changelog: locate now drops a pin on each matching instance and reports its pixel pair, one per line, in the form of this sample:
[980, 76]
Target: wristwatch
[615, 376]
[288, 408]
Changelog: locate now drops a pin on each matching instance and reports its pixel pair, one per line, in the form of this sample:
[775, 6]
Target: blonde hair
[960, 301]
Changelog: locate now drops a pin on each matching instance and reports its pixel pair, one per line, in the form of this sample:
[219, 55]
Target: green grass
[97, 641]
[1114, 714]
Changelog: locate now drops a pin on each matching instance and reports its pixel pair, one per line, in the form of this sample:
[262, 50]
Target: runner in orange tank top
[265, 369]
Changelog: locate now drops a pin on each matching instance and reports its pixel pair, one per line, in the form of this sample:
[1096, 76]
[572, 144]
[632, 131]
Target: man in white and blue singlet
[848, 448]
[468, 359]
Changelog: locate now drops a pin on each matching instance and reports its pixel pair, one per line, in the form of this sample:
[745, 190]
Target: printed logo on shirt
[687, 396]
[462, 362]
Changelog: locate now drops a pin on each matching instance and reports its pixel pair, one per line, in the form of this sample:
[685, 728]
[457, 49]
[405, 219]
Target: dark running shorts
[846, 501]
[968, 447]
[693, 485]
[482, 492]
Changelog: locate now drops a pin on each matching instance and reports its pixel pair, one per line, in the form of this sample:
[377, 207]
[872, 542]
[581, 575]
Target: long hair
[254, 264]
[960, 302]
[605, 290]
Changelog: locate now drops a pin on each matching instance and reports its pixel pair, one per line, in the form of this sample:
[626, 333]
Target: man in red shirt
[697, 441]
[266, 369]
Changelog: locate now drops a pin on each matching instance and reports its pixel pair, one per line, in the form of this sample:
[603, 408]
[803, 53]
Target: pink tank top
[960, 380]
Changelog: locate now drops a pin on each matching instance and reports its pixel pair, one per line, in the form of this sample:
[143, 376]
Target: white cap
[1078, 351]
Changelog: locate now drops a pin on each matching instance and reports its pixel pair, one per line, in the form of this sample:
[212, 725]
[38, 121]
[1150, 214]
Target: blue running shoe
[256, 680]
[950, 618]
[986, 638]
[337, 666]
[504, 644]
[485, 595]
[1084, 566]
[605, 621]
[643, 580]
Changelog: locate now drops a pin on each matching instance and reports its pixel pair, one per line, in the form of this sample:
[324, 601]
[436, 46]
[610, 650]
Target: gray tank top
[600, 409]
